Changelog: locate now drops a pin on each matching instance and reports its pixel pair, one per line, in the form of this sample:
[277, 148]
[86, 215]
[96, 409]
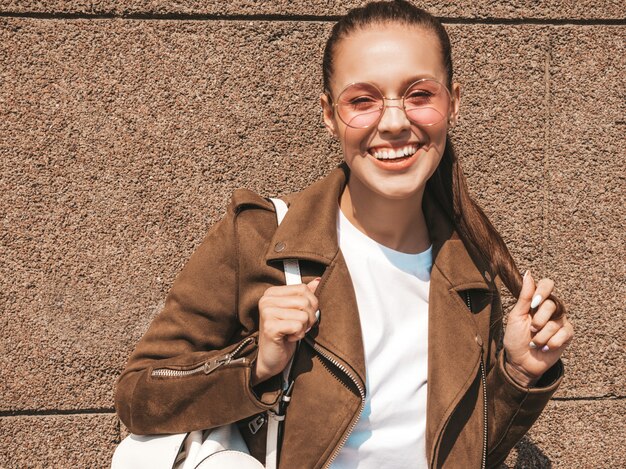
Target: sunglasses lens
[426, 102]
[360, 105]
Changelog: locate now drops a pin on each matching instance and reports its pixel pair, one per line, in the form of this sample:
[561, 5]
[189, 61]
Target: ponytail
[449, 186]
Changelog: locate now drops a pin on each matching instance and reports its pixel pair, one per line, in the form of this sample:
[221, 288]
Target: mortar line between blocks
[545, 228]
[53, 412]
[148, 16]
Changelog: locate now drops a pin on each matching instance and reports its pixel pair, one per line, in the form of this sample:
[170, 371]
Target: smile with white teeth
[391, 154]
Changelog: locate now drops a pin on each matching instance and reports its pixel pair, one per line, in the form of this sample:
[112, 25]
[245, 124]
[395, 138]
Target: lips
[389, 153]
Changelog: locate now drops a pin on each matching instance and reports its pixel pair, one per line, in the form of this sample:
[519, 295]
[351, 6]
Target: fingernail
[545, 348]
[535, 302]
[317, 315]
[533, 329]
[532, 344]
[318, 278]
[307, 330]
[525, 274]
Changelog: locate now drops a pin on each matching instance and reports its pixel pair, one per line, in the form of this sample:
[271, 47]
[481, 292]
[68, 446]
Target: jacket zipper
[355, 419]
[484, 384]
[484, 380]
[207, 367]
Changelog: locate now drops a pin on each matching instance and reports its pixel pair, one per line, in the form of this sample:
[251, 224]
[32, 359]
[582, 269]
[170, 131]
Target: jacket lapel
[309, 232]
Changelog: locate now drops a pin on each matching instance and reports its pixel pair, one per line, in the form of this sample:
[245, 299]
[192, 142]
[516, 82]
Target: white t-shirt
[392, 295]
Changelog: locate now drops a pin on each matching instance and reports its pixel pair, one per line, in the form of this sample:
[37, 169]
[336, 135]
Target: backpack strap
[277, 414]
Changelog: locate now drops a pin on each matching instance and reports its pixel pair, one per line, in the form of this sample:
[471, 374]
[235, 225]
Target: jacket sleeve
[512, 409]
[191, 369]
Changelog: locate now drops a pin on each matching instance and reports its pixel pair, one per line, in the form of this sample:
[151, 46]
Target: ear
[455, 93]
[328, 114]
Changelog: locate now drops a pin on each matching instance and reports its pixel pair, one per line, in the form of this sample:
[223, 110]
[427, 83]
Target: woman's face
[391, 57]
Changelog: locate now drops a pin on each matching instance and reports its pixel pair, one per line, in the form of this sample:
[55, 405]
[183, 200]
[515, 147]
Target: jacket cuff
[548, 383]
[524, 405]
[269, 391]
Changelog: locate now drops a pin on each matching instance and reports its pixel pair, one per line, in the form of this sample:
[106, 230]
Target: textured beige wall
[517, 9]
[124, 126]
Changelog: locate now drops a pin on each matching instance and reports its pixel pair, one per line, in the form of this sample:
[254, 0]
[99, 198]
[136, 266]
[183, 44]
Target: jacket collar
[309, 229]
[309, 232]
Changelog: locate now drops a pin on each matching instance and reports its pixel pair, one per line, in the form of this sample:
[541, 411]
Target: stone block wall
[125, 126]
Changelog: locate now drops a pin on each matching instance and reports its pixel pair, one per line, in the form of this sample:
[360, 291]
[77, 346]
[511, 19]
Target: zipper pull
[211, 366]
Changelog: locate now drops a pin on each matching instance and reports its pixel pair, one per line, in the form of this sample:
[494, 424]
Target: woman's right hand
[286, 313]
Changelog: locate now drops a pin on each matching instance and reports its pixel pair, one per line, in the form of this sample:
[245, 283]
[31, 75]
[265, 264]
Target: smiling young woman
[399, 317]
[394, 66]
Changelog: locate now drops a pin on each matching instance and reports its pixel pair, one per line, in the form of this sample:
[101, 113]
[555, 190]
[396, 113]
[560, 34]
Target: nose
[394, 120]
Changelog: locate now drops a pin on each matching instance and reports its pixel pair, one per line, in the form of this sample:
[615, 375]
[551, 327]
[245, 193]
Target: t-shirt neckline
[411, 262]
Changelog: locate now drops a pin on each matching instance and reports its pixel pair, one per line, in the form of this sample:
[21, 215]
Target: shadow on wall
[529, 456]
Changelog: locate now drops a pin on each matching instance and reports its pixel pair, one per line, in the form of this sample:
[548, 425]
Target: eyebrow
[405, 83]
[415, 78]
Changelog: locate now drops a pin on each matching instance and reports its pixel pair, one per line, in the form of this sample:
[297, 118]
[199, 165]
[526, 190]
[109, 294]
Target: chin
[398, 193]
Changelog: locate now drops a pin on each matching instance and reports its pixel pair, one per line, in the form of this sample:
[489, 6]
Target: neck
[398, 224]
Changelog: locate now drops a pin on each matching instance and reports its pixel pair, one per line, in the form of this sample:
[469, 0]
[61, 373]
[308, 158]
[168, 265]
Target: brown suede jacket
[191, 370]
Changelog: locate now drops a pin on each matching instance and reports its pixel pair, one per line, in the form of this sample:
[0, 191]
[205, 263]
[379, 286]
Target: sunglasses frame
[385, 99]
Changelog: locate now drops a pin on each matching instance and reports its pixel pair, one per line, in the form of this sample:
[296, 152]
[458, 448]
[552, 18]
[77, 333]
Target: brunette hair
[448, 184]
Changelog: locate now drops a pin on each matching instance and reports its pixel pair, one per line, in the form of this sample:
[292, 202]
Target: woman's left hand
[534, 342]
